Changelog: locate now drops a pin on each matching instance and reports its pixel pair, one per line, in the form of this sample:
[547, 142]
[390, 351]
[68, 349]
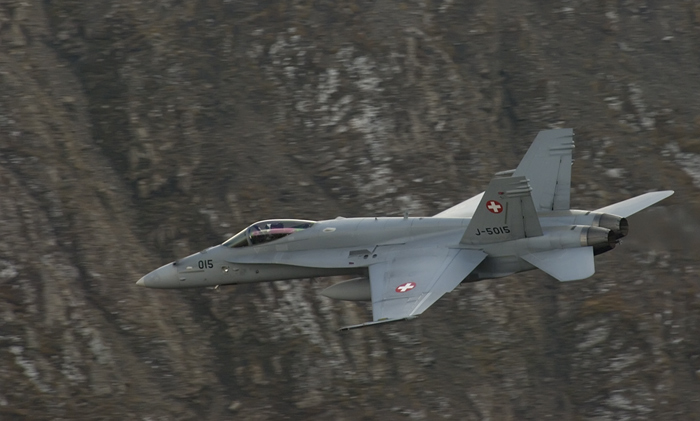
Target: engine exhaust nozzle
[617, 224]
[598, 238]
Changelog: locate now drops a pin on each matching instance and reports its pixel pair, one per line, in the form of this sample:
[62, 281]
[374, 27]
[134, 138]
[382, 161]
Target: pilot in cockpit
[266, 231]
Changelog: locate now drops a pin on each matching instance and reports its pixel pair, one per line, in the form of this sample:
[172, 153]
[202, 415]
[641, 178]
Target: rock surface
[134, 132]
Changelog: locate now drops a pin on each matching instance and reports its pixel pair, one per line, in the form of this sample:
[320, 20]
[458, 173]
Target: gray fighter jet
[404, 265]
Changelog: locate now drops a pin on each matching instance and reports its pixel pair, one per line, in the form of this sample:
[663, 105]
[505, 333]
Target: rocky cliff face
[134, 132]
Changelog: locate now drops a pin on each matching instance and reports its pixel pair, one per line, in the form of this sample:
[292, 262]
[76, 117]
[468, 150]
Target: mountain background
[133, 132]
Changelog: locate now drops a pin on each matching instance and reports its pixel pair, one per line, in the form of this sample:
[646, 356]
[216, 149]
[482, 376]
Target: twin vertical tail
[508, 210]
[505, 213]
[547, 165]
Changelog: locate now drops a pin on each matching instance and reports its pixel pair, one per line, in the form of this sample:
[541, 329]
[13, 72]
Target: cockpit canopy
[266, 231]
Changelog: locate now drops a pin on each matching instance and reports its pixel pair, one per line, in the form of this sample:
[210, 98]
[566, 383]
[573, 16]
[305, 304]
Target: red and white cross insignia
[406, 287]
[494, 207]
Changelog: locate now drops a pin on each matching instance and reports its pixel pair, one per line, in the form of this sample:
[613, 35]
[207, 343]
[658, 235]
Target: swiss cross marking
[406, 287]
[494, 207]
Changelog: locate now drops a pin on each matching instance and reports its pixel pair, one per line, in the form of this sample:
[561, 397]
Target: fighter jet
[403, 265]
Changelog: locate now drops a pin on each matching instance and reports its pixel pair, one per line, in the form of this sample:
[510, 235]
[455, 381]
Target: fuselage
[343, 246]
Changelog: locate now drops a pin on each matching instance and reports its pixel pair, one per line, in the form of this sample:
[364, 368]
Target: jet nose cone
[163, 277]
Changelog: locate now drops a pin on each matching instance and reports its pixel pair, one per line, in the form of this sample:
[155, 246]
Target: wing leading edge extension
[404, 286]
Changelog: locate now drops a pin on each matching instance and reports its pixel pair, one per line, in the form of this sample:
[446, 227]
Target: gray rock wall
[134, 132]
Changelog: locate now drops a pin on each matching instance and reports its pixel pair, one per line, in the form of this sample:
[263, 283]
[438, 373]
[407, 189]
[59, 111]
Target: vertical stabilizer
[506, 212]
[547, 164]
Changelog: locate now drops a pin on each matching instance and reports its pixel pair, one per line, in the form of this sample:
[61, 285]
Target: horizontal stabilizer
[631, 206]
[564, 264]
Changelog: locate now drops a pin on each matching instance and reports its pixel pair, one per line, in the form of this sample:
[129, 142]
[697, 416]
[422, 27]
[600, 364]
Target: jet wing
[409, 282]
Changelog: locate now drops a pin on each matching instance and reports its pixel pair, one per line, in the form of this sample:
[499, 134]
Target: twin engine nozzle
[617, 224]
[605, 232]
